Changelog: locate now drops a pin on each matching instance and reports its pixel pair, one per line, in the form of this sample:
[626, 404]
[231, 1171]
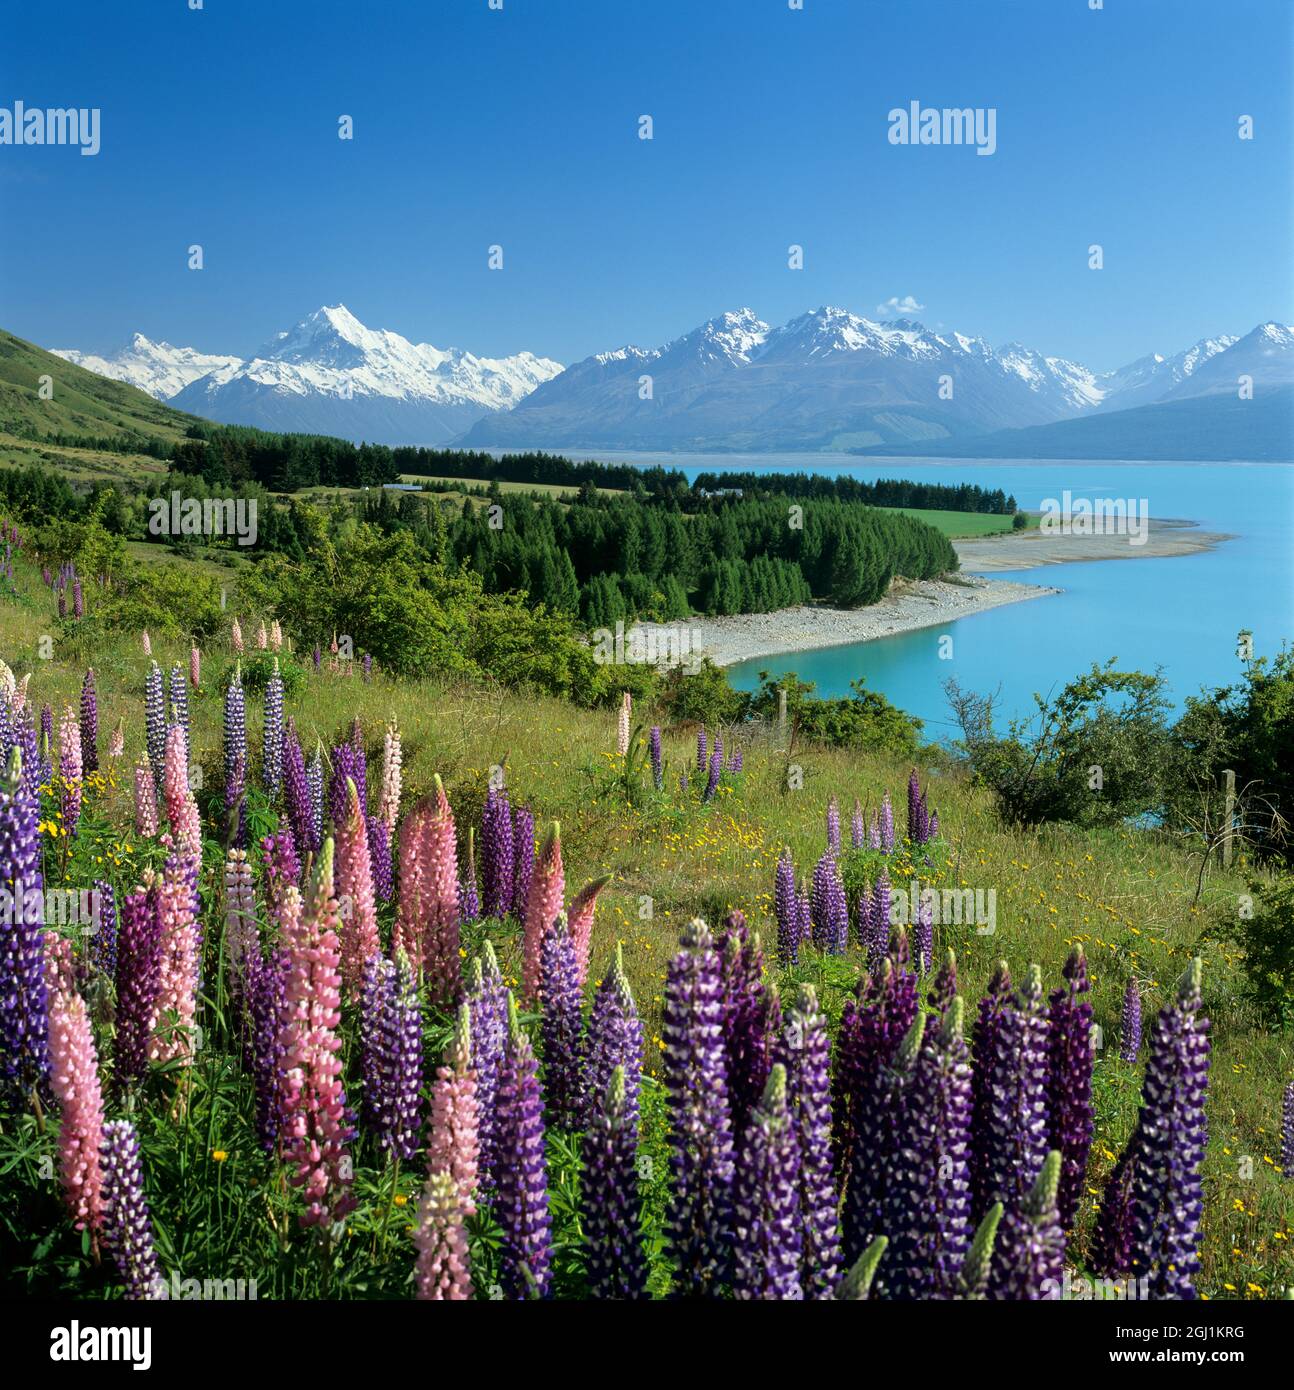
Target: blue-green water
[1181, 613]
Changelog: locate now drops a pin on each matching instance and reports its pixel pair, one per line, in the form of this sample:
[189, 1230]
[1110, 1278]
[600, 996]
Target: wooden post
[1228, 816]
[781, 711]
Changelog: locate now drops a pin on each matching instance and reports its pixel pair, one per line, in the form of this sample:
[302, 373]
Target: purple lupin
[833, 827]
[657, 765]
[155, 724]
[702, 752]
[521, 1201]
[984, 1045]
[609, 1197]
[716, 770]
[296, 791]
[488, 1000]
[266, 999]
[746, 1043]
[767, 1240]
[887, 824]
[271, 735]
[89, 724]
[1070, 1118]
[699, 1217]
[24, 995]
[1130, 1023]
[786, 910]
[139, 980]
[857, 827]
[523, 857]
[805, 1051]
[127, 1223]
[614, 1039]
[830, 912]
[1287, 1132]
[560, 1027]
[1029, 1257]
[379, 854]
[496, 854]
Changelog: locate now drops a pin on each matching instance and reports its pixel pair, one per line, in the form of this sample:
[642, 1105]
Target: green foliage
[258, 666]
[701, 695]
[1019, 522]
[1266, 936]
[865, 719]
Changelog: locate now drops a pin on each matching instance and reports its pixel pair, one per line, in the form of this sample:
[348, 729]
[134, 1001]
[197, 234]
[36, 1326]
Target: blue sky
[519, 127]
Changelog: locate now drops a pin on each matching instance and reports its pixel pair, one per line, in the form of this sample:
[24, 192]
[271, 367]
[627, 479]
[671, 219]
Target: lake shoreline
[915, 604]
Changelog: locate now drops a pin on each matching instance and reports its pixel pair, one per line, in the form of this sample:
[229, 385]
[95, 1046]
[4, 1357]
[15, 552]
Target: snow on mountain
[158, 368]
[1153, 377]
[1265, 356]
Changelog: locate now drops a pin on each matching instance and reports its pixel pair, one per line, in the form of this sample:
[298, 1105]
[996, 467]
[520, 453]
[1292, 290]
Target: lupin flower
[702, 752]
[830, 912]
[1130, 1029]
[104, 945]
[147, 642]
[1069, 1100]
[139, 979]
[857, 827]
[236, 756]
[127, 1223]
[786, 910]
[172, 1039]
[78, 600]
[347, 765]
[282, 866]
[833, 827]
[266, 1000]
[804, 917]
[622, 725]
[805, 1051]
[583, 908]
[874, 831]
[236, 638]
[944, 987]
[117, 740]
[74, 1079]
[767, 1238]
[379, 853]
[443, 1270]
[262, 637]
[657, 766]
[878, 923]
[544, 902]
[392, 1032]
[440, 921]
[914, 808]
[316, 1128]
[366, 666]
[272, 735]
[276, 636]
[454, 1136]
[359, 934]
[296, 793]
[984, 1047]
[1017, 1107]
[46, 743]
[887, 824]
[488, 1001]
[69, 766]
[89, 727]
[24, 997]
[1167, 1195]
[925, 934]
[521, 1200]
[609, 1197]
[614, 1039]
[523, 858]
[699, 1217]
[242, 948]
[317, 657]
[496, 854]
[388, 802]
[927, 1198]
[716, 770]
[560, 1026]
[1029, 1257]
[179, 697]
[155, 721]
[315, 789]
[1287, 1132]
[747, 1044]
[195, 668]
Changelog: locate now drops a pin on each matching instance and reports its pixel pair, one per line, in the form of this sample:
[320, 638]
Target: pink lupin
[315, 1126]
[580, 919]
[117, 743]
[195, 667]
[443, 1267]
[262, 638]
[172, 1035]
[148, 643]
[388, 805]
[622, 724]
[407, 932]
[69, 767]
[440, 892]
[145, 801]
[74, 1077]
[359, 936]
[454, 1136]
[236, 637]
[545, 900]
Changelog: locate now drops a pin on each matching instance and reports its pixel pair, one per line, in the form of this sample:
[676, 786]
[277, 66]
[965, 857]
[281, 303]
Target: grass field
[1126, 895]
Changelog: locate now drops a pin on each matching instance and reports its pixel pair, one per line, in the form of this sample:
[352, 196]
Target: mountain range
[827, 380]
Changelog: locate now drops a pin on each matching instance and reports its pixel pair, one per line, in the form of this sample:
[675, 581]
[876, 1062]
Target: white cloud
[896, 308]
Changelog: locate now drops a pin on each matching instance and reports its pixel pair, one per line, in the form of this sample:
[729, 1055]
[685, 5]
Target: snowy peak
[731, 338]
[158, 368]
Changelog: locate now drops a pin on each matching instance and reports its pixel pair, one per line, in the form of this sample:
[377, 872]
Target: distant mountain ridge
[833, 380]
[828, 379]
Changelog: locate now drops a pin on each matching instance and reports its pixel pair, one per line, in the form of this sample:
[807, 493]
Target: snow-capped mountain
[331, 375]
[158, 368]
[827, 379]
[831, 379]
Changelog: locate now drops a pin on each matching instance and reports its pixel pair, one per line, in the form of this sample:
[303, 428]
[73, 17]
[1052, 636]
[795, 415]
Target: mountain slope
[1217, 427]
[83, 402]
[158, 368]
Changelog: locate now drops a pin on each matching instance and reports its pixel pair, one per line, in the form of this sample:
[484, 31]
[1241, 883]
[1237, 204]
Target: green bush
[1266, 936]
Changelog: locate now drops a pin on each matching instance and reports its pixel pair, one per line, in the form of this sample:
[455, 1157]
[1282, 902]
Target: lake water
[1181, 613]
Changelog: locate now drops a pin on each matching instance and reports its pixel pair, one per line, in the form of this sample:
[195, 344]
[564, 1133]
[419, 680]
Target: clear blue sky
[520, 127]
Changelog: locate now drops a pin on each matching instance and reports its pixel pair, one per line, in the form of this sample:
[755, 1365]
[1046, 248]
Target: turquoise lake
[1180, 613]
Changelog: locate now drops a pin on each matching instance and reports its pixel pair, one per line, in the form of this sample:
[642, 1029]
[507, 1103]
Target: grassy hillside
[82, 402]
[1127, 896]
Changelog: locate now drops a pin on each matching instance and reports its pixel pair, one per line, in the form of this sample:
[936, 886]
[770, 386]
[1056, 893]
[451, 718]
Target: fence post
[1228, 816]
[781, 712]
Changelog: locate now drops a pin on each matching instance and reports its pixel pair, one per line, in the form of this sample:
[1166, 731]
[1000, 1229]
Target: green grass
[957, 525]
[1127, 896]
